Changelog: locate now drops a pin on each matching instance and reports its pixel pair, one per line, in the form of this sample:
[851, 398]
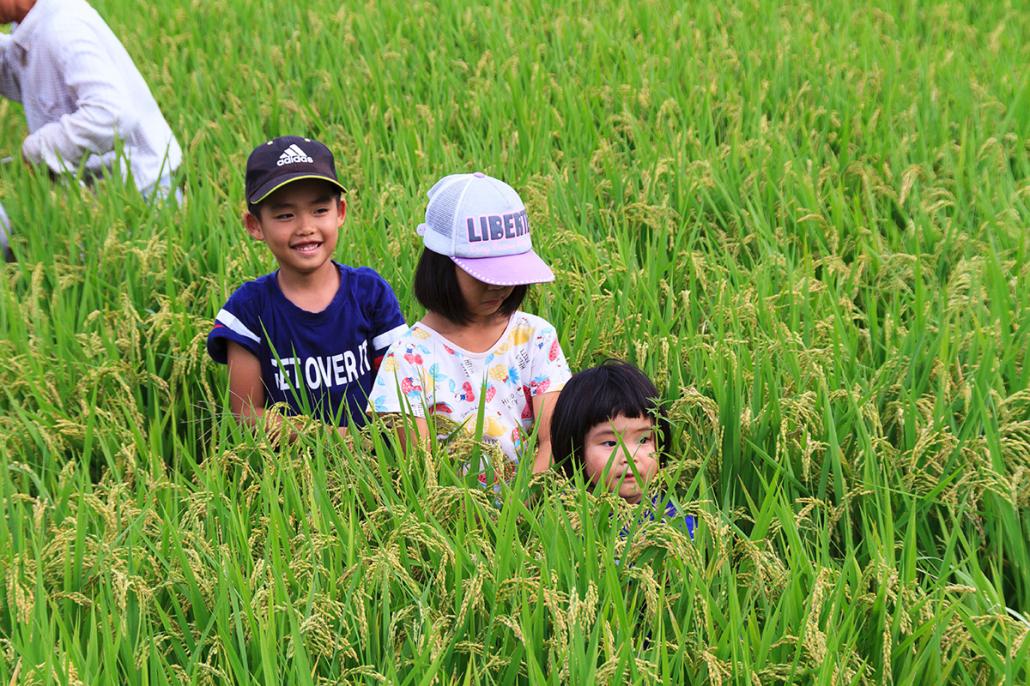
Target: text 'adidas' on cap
[281, 160]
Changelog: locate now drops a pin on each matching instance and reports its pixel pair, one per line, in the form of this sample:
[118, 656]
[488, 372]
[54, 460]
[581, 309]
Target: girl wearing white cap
[474, 345]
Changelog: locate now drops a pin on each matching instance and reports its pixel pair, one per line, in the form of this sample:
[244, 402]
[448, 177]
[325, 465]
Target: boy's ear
[342, 207]
[253, 226]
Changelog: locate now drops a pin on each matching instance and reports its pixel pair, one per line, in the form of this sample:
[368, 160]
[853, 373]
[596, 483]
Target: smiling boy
[311, 333]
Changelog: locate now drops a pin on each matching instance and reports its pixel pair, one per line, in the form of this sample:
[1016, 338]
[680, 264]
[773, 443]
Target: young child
[81, 92]
[608, 425]
[474, 344]
[311, 333]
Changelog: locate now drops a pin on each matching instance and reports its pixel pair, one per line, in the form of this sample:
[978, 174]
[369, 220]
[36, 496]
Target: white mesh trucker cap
[480, 223]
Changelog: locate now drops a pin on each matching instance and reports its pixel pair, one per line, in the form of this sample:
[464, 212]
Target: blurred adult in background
[84, 99]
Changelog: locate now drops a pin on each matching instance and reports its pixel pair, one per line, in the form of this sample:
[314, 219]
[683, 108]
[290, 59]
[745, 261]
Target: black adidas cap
[281, 160]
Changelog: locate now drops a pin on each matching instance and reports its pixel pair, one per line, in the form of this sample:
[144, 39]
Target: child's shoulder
[538, 325]
[253, 291]
[362, 277]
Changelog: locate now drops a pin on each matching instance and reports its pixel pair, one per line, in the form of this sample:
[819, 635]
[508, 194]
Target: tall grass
[807, 221]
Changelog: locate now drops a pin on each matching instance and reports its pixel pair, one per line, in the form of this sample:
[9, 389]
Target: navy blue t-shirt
[669, 514]
[313, 361]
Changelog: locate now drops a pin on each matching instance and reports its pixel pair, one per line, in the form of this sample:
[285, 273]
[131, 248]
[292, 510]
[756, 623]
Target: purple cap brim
[507, 270]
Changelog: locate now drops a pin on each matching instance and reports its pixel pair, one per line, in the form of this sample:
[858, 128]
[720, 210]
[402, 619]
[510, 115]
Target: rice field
[808, 222]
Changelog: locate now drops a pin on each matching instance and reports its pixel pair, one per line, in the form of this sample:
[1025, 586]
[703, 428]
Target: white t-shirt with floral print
[434, 374]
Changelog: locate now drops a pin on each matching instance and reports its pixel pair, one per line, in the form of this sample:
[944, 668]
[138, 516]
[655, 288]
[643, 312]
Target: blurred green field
[807, 221]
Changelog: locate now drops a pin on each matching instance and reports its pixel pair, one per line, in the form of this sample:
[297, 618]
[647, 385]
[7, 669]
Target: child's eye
[285, 216]
[609, 443]
[321, 211]
[646, 438]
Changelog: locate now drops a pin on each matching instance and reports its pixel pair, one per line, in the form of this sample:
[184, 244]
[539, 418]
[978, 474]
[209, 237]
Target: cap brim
[272, 186]
[507, 270]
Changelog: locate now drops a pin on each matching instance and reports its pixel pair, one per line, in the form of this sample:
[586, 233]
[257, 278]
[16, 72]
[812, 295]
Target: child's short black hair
[596, 395]
[436, 287]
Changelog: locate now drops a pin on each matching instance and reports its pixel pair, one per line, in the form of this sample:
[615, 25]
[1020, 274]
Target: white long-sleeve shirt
[81, 93]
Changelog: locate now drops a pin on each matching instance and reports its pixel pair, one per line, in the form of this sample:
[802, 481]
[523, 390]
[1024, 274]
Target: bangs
[437, 289]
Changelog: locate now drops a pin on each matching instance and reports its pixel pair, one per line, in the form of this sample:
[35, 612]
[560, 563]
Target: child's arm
[247, 394]
[246, 391]
[550, 371]
[542, 406]
[412, 435]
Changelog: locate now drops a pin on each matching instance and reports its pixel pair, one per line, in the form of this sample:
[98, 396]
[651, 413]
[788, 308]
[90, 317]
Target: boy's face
[300, 224]
[601, 451]
[14, 10]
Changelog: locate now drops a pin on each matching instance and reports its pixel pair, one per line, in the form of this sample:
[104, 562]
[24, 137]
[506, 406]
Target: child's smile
[308, 247]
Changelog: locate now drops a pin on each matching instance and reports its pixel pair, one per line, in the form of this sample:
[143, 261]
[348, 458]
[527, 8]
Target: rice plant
[806, 221]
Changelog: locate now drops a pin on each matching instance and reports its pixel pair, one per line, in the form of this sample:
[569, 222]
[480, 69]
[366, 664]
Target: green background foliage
[807, 221]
